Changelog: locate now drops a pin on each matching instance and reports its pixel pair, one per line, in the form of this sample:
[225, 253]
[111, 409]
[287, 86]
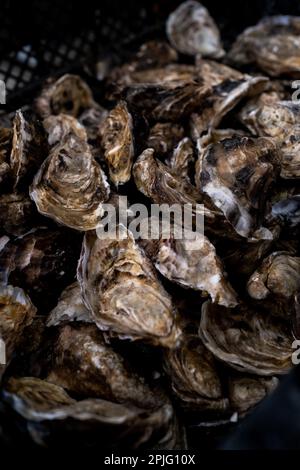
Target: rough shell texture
[117, 140]
[182, 159]
[163, 137]
[191, 30]
[70, 308]
[18, 213]
[70, 186]
[114, 275]
[288, 210]
[273, 45]
[54, 418]
[247, 339]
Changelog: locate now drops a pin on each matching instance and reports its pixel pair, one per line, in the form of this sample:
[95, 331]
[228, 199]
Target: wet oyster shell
[247, 391]
[70, 186]
[280, 121]
[16, 312]
[68, 95]
[164, 136]
[53, 418]
[273, 45]
[236, 174]
[278, 275]
[247, 339]
[70, 308]
[18, 213]
[116, 134]
[100, 371]
[194, 378]
[191, 30]
[114, 274]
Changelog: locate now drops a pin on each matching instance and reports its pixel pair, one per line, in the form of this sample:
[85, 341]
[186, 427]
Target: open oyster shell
[70, 186]
[118, 143]
[194, 378]
[273, 45]
[278, 276]
[101, 372]
[114, 274]
[280, 121]
[16, 312]
[68, 95]
[52, 417]
[236, 174]
[191, 30]
[247, 339]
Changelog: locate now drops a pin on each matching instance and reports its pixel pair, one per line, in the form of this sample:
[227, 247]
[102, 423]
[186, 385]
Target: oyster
[288, 210]
[70, 308]
[29, 148]
[214, 73]
[5, 149]
[68, 95]
[16, 312]
[236, 174]
[42, 261]
[63, 127]
[182, 158]
[166, 102]
[273, 45]
[117, 140]
[17, 213]
[192, 263]
[70, 186]
[50, 413]
[279, 120]
[247, 339]
[278, 276]
[100, 371]
[91, 119]
[114, 274]
[164, 136]
[191, 30]
[194, 378]
[247, 391]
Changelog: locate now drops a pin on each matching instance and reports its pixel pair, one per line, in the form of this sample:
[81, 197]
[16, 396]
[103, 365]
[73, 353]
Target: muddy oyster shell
[191, 30]
[17, 213]
[247, 391]
[279, 120]
[70, 307]
[16, 312]
[236, 174]
[68, 95]
[43, 262]
[164, 136]
[288, 210]
[166, 102]
[194, 378]
[70, 186]
[278, 276]
[114, 274]
[118, 143]
[247, 339]
[53, 418]
[29, 148]
[273, 45]
[100, 371]
[192, 262]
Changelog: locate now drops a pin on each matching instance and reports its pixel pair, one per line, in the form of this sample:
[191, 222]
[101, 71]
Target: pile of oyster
[124, 342]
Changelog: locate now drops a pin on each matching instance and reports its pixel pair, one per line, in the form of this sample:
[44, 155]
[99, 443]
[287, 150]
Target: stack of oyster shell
[125, 343]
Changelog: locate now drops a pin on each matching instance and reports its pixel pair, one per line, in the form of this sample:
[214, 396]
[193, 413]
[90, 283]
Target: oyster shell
[194, 378]
[118, 143]
[63, 127]
[70, 308]
[236, 174]
[29, 148]
[214, 73]
[5, 149]
[247, 339]
[182, 158]
[100, 371]
[42, 262]
[288, 210]
[278, 276]
[114, 274]
[17, 213]
[273, 45]
[247, 391]
[163, 137]
[70, 186]
[16, 312]
[68, 95]
[91, 119]
[50, 414]
[191, 30]
[279, 120]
